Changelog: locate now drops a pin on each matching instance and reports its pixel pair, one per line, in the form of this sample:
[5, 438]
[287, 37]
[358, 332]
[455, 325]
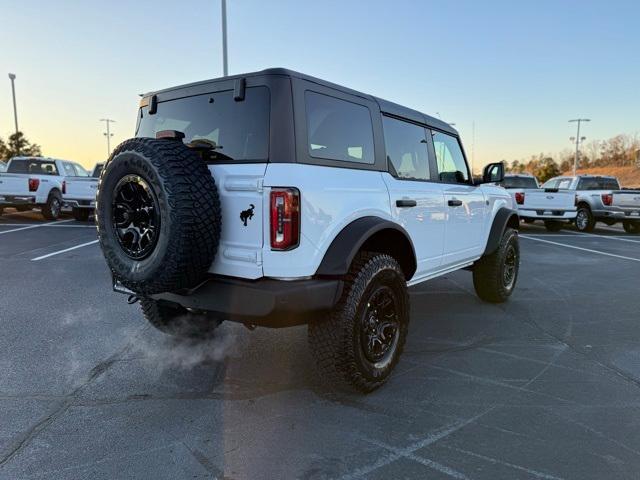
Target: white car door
[417, 202]
[465, 203]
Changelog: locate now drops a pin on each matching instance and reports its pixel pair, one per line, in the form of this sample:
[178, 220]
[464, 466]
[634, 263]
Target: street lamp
[578, 139]
[12, 77]
[225, 67]
[108, 133]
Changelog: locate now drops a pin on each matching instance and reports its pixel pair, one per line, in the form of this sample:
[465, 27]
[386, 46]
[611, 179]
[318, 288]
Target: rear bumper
[537, 214]
[618, 213]
[7, 200]
[79, 203]
[266, 302]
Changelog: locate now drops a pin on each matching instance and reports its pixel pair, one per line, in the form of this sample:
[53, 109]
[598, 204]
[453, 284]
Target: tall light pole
[12, 77]
[225, 66]
[578, 140]
[108, 133]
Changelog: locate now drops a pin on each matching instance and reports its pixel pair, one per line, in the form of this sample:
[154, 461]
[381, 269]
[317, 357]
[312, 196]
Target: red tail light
[34, 183]
[520, 198]
[607, 199]
[64, 187]
[285, 218]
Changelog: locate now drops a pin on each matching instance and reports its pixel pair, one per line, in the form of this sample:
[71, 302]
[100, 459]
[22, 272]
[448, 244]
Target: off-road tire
[175, 320]
[590, 223]
[631, 227]
[189, 211]
[553, 225]
[52, 209]
[489, 271]
[335, 342]
[81, 214]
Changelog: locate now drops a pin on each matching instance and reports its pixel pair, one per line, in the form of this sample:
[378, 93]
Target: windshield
[36, 167]
[235, 130]
[519, 182]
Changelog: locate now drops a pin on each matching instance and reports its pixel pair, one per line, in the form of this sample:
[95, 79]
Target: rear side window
[36, 167]
[338, 129]
[69, 171]
[519, 182]
[234, 130]
[598, 183]
[406, 147]
[452, 167]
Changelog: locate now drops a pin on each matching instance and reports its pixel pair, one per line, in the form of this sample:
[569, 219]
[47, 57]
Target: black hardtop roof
[385, 105]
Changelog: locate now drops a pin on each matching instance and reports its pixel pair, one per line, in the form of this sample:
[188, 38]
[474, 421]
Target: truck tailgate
[549, 200]
[14, 184]
[81, 188]
[627, 199]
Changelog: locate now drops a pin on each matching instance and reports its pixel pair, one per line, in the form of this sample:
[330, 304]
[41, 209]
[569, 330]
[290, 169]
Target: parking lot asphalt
[546, 386]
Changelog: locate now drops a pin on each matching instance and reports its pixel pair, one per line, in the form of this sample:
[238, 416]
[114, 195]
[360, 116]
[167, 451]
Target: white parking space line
[34, 226]
[620, 238]
[580, 248]
[47, 225]
[64, 251]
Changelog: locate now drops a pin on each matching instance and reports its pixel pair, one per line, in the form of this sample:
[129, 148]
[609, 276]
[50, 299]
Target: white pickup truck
[601, 199]
[81, 193]
[31, 182]
[552, 205]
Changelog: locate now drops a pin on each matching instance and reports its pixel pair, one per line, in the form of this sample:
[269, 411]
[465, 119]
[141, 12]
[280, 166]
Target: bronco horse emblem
[247, 214]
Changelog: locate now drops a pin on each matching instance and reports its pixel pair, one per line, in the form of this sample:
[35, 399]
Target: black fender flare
[504, 218]
[344, 247]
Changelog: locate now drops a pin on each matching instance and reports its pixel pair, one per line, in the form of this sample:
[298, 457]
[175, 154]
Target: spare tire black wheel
[158, 215]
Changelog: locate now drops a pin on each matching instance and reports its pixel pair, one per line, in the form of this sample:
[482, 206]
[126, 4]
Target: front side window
[338, 129]
[233, 130]
[406, 148]
[452, 167]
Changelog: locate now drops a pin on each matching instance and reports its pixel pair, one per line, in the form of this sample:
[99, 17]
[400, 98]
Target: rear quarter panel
[331, 198]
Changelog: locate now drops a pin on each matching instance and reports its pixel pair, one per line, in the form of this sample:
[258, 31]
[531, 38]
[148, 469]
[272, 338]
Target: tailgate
[627, 199]
[81, 188]
[241, 200]
[549, 200]
[14, 185]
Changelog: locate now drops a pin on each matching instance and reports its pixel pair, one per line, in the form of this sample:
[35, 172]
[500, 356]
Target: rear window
[338, 129]
[519, 182]
[36, 167]
[235, 130]
[598, 183]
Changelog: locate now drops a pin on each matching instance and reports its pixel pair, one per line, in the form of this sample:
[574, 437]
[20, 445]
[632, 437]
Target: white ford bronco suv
[277, 199]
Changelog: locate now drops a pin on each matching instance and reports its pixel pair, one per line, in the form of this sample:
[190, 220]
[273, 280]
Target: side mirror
[493, 173]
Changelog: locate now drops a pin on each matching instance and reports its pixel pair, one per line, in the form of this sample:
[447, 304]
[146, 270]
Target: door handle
[455, 203]
[406, 202]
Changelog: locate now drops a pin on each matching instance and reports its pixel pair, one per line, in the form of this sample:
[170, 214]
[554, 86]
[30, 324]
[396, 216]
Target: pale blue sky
[519, 70]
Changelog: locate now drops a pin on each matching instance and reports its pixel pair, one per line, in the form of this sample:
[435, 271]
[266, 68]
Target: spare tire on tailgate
[158, 215]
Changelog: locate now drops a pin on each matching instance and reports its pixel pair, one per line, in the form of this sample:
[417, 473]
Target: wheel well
[513, 222]
[584, 204]
[393, 243]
